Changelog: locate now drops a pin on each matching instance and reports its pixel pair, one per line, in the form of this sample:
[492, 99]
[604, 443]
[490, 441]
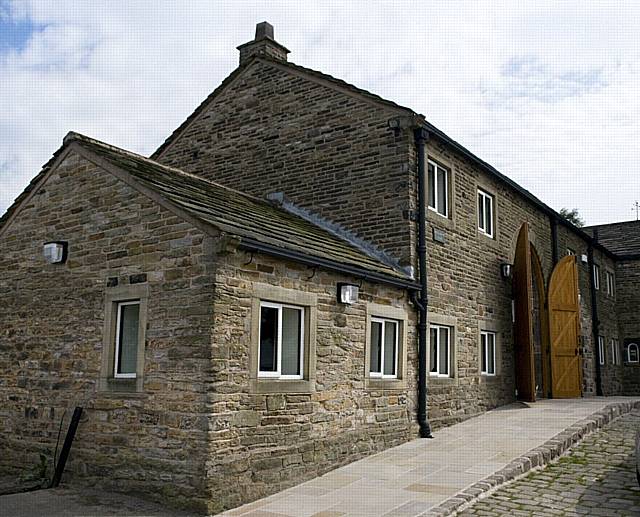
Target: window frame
[485, 356]
[118, 344]
[302, 345]
[447, 183]
[615, 352]
[381, 374]
[610, 281]
[596, 276]
[281, 295]
[602, 351]
[637, 348]
[114, 296]
[486, 197]
[438, 361]
[375, 311]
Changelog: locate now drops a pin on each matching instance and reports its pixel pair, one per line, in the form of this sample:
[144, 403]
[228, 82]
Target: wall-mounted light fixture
[55, 252]
[347, 293]
[506, 270]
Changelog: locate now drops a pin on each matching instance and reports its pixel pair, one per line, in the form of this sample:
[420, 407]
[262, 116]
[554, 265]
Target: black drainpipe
[554, 240]
[595, 322]
[421, 136]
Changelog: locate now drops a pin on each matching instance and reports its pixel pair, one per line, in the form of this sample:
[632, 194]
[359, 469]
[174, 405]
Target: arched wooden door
[564, 329]
[523, 329]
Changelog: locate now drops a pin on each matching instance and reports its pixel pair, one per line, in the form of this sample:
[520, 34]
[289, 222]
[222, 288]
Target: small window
[438, 189]
[596, 276]
[633, 353]
[601, 352]
[487, 353]
[615, 352]
[440, 337]
[485, 213]
[126, 346]
[384, 349]
[610, 283]
[570, 252]
[281, 341]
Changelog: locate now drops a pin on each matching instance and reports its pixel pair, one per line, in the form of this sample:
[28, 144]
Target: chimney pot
[264, 30]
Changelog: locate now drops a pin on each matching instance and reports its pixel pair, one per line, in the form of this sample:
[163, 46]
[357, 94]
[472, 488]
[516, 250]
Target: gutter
[309, 260]
[421, 136]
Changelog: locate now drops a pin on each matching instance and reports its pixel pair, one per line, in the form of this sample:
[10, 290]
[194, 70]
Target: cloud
[545, 91]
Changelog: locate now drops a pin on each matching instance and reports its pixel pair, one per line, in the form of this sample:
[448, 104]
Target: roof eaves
[303, 258]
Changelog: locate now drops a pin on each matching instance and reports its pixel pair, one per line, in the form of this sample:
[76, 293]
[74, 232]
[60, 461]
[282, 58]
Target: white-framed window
[633, 353]
[596, 276]
[601, 351]
[485, 213]
[281, 341]
[126, 340]
[487, 353]
[438, 188]
[610, 283]
[383, 361]
[440, 345]
[615, 352]
[570, 251]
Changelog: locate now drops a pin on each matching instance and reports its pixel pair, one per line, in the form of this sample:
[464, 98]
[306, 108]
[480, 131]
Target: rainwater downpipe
[421, 136]
[595, 322]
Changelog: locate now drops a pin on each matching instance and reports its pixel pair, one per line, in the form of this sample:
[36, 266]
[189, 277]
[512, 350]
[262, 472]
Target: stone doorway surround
[436, 477]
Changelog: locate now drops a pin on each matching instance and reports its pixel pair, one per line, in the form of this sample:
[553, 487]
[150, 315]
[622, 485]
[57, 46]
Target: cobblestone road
[596, 478]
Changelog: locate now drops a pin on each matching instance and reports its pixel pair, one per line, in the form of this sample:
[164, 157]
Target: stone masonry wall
[611, 374]
[51, 332]
[264, 442]
[627, 303]
[274, 130]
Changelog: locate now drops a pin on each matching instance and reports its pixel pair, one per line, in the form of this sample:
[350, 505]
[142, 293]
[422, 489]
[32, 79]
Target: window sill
[440, 221]
[489, 379]
[130, 387]
[443, 381]
[266, 385]
[373, 383]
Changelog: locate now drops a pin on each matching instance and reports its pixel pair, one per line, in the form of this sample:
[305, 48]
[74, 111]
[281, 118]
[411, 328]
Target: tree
[573, 216]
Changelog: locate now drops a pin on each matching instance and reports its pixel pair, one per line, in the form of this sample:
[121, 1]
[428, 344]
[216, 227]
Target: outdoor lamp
[347, 293]
[55, 252]
[506, 270]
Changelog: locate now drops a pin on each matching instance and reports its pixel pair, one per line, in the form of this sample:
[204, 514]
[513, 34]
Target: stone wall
[627, 304]
[262, 442]
[51, 337]
[273, 129]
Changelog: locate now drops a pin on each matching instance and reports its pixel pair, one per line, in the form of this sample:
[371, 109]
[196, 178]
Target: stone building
[301, 275]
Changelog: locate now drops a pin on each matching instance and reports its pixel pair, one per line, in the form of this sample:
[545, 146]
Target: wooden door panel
[564, 330]
[523, 330]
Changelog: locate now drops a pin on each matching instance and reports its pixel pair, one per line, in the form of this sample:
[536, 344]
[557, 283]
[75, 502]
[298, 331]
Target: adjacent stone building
[281, 289]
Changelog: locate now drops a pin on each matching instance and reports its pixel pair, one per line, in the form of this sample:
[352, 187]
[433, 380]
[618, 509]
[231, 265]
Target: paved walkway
[410, 479]
[598, 477]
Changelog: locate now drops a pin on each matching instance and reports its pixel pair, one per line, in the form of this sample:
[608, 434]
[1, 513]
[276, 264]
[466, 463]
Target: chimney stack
[263, 45]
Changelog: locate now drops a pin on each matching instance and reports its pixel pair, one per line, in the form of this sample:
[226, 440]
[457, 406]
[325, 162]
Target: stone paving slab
[439, 476]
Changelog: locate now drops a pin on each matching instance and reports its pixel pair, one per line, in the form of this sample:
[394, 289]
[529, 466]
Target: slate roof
[259, 224]
[620, 238]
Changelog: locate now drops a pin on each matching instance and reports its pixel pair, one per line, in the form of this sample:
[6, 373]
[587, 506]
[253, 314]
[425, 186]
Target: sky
[547, 92]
